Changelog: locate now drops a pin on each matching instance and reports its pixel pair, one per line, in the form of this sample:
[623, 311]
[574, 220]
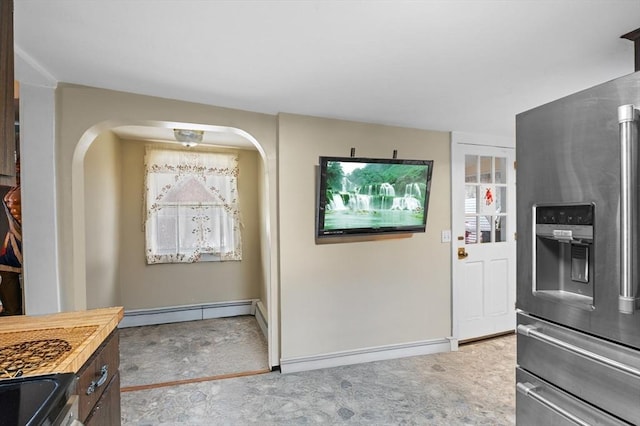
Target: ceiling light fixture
[188, 138]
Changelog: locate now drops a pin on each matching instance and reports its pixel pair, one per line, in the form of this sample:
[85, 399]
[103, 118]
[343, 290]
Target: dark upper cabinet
[7, 117]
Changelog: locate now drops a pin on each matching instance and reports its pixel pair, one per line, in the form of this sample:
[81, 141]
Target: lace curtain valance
[192, 210]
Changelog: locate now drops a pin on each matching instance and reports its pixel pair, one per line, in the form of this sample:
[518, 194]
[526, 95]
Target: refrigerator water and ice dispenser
[563, 247]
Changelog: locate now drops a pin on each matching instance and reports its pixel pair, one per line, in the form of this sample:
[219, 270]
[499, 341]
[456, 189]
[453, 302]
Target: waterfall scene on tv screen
[375, 195]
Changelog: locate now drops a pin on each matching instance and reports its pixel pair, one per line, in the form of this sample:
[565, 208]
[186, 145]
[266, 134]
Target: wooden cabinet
[98, 385]
[107, 410]
[93, 356]
[7, 117]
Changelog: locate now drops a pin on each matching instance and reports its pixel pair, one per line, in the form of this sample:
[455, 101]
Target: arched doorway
[153, 130]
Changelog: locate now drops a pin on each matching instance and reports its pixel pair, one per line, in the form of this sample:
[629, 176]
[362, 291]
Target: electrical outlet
[446, 236]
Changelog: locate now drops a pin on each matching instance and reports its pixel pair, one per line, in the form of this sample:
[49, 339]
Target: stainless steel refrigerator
[578, 249]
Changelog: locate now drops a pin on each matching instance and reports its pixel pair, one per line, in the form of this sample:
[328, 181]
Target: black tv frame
[322, 233]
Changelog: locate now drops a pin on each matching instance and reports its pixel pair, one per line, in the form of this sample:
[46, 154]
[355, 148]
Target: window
[192, 212]
[485, 199]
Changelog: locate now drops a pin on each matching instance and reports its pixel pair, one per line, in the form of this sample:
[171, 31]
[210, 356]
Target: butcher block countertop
[55, 343]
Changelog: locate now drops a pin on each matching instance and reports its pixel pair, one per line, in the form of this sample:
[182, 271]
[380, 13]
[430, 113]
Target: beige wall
[338, 297]
[333, 297]
[162, 285]
[102, 220]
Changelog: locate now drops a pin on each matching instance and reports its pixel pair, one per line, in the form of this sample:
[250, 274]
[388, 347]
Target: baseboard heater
[165, 315]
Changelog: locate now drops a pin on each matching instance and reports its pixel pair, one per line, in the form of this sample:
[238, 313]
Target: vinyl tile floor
[472, 386]
[190, 350]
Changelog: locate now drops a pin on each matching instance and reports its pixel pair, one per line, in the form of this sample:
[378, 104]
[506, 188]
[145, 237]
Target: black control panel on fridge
[579, 214]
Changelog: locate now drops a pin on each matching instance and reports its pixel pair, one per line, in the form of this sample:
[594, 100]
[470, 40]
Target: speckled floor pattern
[188, 350]
[473, 386]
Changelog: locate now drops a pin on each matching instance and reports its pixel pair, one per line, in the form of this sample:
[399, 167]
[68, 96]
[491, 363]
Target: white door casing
[483, 240]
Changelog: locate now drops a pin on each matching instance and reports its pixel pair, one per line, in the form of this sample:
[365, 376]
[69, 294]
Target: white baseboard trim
[454, 343]
[139, 317]
[261, 317]
[380, 353]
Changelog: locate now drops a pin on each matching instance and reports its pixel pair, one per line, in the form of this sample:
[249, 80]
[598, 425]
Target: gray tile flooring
[190, 350]
[473, 386]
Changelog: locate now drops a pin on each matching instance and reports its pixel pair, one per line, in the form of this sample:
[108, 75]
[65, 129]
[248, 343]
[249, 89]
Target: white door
[483, 246]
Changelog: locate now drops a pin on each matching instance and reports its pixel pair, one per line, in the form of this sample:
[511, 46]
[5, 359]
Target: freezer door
[598, 372]
[540, 403]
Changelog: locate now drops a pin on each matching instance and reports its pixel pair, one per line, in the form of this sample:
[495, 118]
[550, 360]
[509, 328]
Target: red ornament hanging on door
[488, 197]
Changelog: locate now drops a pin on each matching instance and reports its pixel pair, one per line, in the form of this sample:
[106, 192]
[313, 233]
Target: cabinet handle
[534, 333]
[104, 372]
[530, 390]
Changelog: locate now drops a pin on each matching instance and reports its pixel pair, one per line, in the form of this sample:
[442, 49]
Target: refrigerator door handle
[529, 390]
[533, 332]
[627, 116]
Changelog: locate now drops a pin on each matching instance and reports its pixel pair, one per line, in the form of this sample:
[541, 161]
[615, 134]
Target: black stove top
[33, 400]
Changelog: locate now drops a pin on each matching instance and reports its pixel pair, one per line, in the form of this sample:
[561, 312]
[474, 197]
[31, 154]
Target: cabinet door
[7, 117]
[97, 374]
[107, 410]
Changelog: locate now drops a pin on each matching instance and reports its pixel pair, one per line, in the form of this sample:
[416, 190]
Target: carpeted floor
[473, 386]
[191, 350]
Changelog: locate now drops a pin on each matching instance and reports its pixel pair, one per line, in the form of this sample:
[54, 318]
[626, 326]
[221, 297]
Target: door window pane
[470, 230]
[471, 168]
[501, 170]
[501, 229]
[486, 169]
[501, 199]
[485, 228]
[471, 199]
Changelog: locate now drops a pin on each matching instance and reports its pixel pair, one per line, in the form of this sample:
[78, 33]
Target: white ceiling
[461, 65]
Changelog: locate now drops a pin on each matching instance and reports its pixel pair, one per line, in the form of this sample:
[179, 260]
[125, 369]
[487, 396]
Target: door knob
[462, 253]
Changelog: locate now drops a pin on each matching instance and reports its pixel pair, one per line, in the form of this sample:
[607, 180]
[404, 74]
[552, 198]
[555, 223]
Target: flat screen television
[363, 196]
